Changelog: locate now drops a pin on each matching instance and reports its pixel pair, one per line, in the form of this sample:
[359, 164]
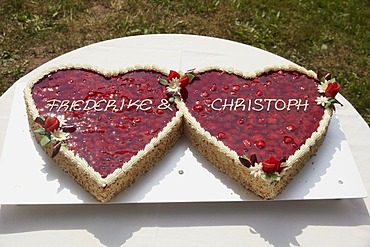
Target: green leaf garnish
[181, 74]
[272, 177]
[331, 80]
[191, 77]
[246, 157]
[41, 131]
[163, 81]
[45, 140]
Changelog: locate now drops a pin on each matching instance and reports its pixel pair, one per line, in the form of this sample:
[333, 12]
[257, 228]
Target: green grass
[327, 35]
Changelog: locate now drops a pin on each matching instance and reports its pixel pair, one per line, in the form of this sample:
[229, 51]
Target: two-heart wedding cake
[107, 128]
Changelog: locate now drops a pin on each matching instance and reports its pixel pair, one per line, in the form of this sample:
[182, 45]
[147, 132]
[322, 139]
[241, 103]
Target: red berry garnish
[260, 144]
[221, 135]
[198, 108]
[204, 94]
[213, 88]
[247, 143]
[288, 139]
[290, 127]
[236, 87]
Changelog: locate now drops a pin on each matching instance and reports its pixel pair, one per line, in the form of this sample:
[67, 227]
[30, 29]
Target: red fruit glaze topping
[106, 139]
[268, 130]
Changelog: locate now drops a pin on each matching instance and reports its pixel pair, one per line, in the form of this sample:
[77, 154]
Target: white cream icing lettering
[97, 105]
[239, 102]
[259, 104]
[111, 104]
[282, 103]
[165, 104]
[297, 103]
[269, 103]
[144, 103]
[87, 105]
[102, 105]
[213, 105]
[76, 105]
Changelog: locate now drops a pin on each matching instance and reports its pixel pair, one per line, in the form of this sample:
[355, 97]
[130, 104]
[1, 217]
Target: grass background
[333, 35]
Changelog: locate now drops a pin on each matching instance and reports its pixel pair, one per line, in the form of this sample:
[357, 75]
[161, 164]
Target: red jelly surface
[261, 127]
[106, 137]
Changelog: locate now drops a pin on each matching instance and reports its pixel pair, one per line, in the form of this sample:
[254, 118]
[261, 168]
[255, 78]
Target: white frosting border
[310, 142]
[82, 163]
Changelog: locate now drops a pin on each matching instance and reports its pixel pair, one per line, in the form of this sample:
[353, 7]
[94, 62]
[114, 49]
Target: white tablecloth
[344, 222]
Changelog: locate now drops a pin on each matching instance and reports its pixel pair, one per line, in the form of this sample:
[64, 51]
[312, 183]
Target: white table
[269, 223]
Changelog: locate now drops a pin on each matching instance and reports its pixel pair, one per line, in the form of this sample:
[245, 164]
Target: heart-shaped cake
[103, 128]
[260, 128]
[108, 128]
